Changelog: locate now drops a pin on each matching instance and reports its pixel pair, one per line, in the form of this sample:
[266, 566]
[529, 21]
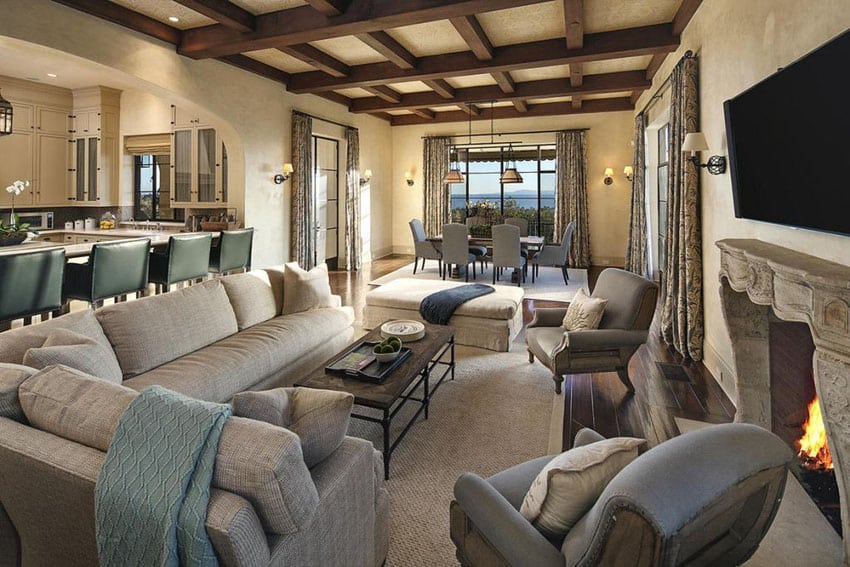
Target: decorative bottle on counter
[107, 221]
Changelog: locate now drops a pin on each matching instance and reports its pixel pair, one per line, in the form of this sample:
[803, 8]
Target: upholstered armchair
[704, 498]
[623, 329]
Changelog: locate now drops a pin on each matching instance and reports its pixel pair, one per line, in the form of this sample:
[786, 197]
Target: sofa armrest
[235, 531]
[548, 317]
[604, 339]
[336, 301]
[502, 525]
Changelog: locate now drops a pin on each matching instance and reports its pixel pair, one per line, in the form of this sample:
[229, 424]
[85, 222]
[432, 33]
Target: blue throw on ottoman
[439, 307]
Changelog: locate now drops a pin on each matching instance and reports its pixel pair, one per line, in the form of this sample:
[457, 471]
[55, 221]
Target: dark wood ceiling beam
[505, 82]
[635, 96]
[684, 14]
[473, 34]
[343, 100]
[576, 74]
[521, 106]
[441, 87]
[622, 81]
[655, 64]
[125, 17]
[224, 12]
[258, 67]
[383, 43]
[318, 59]
[385, 93]
[598, 46]
[470, 109]
[305, 24]
[500, 112]
[328, 7]
[425, 113]
[576, 102]
[574, 23]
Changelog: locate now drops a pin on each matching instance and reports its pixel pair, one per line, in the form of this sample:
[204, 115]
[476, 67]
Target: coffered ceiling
[425, 61]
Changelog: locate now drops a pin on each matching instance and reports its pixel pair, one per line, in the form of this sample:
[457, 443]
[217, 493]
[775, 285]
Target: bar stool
[32, 285]
[233, 251]
[185, 258]
[114, 269]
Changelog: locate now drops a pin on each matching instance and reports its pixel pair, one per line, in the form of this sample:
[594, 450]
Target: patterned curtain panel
[682, 315]
[435, 160]
[636, 259]
[353, 240]
[303, 238]
[571, 193]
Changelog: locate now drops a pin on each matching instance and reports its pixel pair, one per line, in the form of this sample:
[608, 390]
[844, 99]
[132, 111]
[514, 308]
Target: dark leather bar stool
[31, 285]
[233, 251]
[114, 269]
[186, 258]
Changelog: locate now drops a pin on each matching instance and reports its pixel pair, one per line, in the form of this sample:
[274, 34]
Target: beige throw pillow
[303, 290]
[584, 312]
[319, 417]
[571, 483]
[78, 352]
[11, 377]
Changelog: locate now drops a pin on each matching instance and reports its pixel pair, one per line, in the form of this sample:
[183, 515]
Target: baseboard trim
[382, 252]
[720, 370]
[608, 261]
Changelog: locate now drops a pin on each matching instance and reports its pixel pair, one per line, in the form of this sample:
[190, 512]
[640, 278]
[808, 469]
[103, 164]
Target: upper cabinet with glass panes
[198, 163]
[93, 175]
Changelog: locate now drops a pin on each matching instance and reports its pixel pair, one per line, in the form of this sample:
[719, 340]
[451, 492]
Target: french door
[326, 204]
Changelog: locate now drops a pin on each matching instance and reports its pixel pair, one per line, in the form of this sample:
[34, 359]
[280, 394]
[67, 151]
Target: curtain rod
[509, 133]
[301, 112]
[666, 83]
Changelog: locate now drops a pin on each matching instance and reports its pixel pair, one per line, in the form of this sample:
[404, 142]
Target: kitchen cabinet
[93, 175]
[198, 164]
[17, 153]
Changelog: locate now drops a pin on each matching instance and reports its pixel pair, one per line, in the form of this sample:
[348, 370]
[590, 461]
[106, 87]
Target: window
[482, 194]
[663, 171]
[326, 204]
[152, 193]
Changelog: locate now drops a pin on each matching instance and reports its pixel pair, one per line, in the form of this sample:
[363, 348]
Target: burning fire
[814, 450]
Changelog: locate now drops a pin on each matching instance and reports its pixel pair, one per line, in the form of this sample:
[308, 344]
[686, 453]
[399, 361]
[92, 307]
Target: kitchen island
[78, 243]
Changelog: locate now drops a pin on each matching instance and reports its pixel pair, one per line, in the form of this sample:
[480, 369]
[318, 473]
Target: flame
[814, 450]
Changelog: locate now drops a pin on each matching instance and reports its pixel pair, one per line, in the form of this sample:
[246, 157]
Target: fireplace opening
[796, 414]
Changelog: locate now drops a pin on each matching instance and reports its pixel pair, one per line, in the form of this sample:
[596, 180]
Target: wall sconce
[695, 143]
[609, 176]
[287, 172]
[365, 177]
[408, 177]
[629, 172]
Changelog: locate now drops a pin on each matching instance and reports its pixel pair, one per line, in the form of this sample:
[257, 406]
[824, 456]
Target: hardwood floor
[599, 400]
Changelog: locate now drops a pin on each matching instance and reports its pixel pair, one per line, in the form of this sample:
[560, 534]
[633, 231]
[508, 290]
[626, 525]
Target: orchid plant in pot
[15, 232]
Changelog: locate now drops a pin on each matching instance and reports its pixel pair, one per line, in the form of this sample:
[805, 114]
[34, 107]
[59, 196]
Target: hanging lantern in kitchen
[5, 117]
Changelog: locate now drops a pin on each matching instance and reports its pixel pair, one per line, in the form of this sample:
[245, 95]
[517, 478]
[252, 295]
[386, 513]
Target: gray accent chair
[31, 285]
[506, 251]
[424, 248]
[114, 269]
[552, 255]
[456, 249]
[623, 329]
[704, 498]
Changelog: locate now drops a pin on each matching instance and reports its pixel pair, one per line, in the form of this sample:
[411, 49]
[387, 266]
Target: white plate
[405, 329]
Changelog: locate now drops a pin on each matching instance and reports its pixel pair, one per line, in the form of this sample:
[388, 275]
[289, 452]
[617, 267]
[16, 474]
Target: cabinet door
[206, 165]
[22, 117]
[181, 164]
[79, 173]
[92, 169]
[86, 122]
[16, 150]
[184, 119]
[51, 171]
[51, 121]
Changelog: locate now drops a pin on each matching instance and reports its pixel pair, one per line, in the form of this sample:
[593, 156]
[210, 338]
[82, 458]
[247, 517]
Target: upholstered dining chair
[456, 249]
[186, 258]
[32, 285]
[551, 255]
[520, 223]
[423, 248]
[479, 251]
[114, 269]
[506, 251]
[232, 252]
[707, 497]
[623, 329]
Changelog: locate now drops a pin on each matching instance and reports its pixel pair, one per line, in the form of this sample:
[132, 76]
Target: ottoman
[491, 321]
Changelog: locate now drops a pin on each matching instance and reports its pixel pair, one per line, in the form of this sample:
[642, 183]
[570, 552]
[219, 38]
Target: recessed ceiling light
[52, 75]
[173, 19]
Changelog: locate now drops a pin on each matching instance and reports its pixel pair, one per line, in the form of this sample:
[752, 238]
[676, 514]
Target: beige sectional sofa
[208, 341]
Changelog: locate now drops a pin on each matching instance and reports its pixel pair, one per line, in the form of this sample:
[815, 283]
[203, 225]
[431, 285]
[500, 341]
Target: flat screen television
[789, 143]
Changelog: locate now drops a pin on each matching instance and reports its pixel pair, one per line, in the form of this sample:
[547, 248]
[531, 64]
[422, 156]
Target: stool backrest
[119, 268]
[188, 256]
[235, 249]
[31, 283]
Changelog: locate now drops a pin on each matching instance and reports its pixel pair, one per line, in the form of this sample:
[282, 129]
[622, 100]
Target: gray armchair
[703, 498]
[424, 248]
[624, 328]
[555, 255]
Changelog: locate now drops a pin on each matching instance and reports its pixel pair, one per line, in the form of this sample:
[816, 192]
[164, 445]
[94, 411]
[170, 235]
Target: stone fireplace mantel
[757, 277]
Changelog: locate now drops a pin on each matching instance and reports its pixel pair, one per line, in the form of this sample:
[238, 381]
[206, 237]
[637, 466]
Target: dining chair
[520, 223]
[185, 258]
[424, 248]
[233, 251]
[456, 249]
[32, 285]
[114, 269]
[506, 251]
[479, 251]
[552, 255]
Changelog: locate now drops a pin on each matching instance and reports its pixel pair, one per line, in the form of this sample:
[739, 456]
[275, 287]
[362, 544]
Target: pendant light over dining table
[511, 175]
[454, 175]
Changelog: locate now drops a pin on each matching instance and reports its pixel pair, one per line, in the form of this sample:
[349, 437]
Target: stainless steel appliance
[38, 220]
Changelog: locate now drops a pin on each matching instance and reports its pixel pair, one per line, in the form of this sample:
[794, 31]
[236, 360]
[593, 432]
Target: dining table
[528, 242]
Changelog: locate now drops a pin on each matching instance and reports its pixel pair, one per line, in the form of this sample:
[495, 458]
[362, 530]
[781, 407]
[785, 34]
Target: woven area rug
[549, 285]
[495, 414]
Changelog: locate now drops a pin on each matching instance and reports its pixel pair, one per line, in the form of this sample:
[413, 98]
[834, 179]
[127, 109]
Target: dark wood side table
[393, 393]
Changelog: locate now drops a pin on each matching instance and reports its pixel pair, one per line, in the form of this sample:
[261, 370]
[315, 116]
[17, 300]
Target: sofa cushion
[155, 330]
[75, 351]
[216, 373]
[569, 485]
[305, 290]
[15, 343]
[275, 275]
[252, 297]
[319, 417]
[584, 313]
[11, 377]
[74, 405]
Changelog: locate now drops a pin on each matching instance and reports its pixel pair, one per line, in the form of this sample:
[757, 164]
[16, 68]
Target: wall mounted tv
[789, 143]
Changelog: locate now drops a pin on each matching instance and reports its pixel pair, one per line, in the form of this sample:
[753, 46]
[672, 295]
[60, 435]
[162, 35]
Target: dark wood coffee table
[393, 393]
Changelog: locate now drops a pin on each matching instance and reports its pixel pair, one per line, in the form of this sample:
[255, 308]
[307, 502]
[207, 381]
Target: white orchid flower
[18, 187]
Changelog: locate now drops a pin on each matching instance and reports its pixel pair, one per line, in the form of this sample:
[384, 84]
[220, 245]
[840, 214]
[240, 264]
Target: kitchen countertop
[125, 232]
[158, 239]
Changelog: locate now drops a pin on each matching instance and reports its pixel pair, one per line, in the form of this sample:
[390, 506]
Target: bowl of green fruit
[388, 349]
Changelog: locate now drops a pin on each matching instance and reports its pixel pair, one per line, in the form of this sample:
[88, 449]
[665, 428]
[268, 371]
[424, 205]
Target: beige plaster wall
[608, 145]
[252, 111]
[739, 44]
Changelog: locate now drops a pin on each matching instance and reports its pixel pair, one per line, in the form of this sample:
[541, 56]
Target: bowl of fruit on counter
[387, 350]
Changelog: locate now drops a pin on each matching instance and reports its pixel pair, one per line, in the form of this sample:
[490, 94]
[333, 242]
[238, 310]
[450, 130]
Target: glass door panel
[182, 165]
[92, 170]
[206, 165]
[80, 173]
[325, 209]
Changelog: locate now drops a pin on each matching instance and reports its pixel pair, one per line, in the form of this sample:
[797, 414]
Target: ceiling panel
[349, 50]
[354, 93]
[263, 6]
[606, 15]
[433, 38]
[410, 87]
[398, 112]
[280, 60]
[471, 81]
[526, 23]
[541, 73]
[608, 95]
[548, 99]
[162, 9]
[615, 65]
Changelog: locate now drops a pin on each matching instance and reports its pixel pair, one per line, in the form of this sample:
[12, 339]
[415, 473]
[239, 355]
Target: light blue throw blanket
[154, 486]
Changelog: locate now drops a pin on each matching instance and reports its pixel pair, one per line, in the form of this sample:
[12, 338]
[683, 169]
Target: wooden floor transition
[599, 401]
